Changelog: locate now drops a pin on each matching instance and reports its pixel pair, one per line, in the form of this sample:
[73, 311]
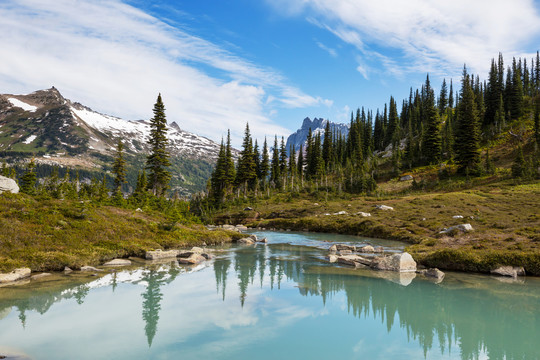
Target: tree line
[428, 130]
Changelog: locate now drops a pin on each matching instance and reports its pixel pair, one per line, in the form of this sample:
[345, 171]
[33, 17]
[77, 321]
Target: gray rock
[89, 268]
[461, 227]
[353, 260]
[398, 262]
[406, 178]
[15, 275]
[332, 248]
[241, 228]
[345, 247]
[379, 249]
[433, 273]
[160, 254]
[340, 213]
[457, 217]
[246, 241]
[383, 207]
[197, 250]
[7, 184]
[512, 271]
[253, 237]
[332, 258]
[192, 260]
[118, 262]
[363, 214]
[366, 249]
[67, 270]
[228, 227]
[263, 240]
[345, 252]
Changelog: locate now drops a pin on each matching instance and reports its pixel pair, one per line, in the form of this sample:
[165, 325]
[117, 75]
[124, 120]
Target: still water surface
[275, 301]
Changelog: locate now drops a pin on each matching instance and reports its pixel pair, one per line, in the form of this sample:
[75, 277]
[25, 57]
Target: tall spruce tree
[432, 137]
[275, 173]
[230, 171]
[265, 162]
[443, 98]
[246, 173]
[119, 169]
[327, 146]
[467, 131]
[28, 180]
[158, 159]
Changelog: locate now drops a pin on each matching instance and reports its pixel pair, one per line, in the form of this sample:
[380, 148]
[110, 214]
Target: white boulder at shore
[15, 275]
[398, 262]
[512, 271]
[118, 262]
[7, 184]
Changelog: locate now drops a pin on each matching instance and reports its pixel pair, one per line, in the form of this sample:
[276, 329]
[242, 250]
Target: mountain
[317, 125]
[58, 131]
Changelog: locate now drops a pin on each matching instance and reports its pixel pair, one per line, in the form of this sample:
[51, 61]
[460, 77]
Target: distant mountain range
[57, 131]
[317, 126]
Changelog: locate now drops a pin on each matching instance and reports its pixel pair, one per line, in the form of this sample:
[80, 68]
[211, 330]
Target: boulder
[432, 273]
[340, 213]
[197, 250]
[7, 184]
[345, 247]
[67, 270]
[160, 254]
[15, 275]
[398, 262]
[192, 260]
[383, 207]
[241, 228]
[228, 227]
[263, 240]
[457, 217]
[363, 214]
[461, 227]
[246, 241]
[379, 249]
[345, 252]
[366, 249]
[332, 258]
[118, 262]
[353, 260]
[253, 237]
[332, 248]
[406, 178]
[248, 208]
[513, 271]
[89, 268]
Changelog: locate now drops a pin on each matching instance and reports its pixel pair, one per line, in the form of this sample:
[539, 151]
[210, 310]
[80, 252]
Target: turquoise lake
[274, 301]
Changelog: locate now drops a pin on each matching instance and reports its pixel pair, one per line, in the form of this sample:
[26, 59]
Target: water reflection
[465, 316]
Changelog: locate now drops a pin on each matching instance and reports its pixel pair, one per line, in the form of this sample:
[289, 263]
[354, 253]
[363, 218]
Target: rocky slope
[58, 131]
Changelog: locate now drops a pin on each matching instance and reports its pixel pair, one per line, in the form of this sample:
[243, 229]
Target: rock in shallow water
[15, 275]
[118, 262]
[398, 262]
[159, 254]
[433, 273]
[192, 260]
[513, 271]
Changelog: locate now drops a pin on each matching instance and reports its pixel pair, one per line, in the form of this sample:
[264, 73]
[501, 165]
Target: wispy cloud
[429, 36]
[330, 51]
[116, 58]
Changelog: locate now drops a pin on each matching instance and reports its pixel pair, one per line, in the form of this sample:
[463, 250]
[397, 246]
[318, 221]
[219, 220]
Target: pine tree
[275, 174]
[265, 163]
[28, 180]
[537, 121]
[432, 137]
[327, 146]
[140, 193]
[451, 95]
[119, 169]
[230, 171]
[467, 132]
[246, 173]
[519, 167]
[257, 159]
[300, 163]
[393, 122]
[218, 180]
[158, 159]
[443, 98]
[283, 158]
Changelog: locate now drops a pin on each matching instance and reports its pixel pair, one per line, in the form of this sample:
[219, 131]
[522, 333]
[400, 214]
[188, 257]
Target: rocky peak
[47, 97]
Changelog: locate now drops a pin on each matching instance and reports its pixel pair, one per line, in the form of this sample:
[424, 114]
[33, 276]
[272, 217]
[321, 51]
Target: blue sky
[221, 63]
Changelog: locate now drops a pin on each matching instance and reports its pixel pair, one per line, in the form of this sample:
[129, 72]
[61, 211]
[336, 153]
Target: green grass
[51, 234]
[505, 217]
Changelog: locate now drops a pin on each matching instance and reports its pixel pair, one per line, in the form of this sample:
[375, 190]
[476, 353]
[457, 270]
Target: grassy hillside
[50, 234]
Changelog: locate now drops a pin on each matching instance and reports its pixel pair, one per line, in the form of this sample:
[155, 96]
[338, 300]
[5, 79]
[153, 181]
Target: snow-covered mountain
[317, 126]
[59, 131]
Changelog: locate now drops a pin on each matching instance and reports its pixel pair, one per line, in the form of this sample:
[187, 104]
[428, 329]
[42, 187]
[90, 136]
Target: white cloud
[116, 58]
[430, 36]
[329, 50]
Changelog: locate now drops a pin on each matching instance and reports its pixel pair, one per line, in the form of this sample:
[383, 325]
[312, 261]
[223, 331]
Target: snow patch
[22, 105]
[30, 139]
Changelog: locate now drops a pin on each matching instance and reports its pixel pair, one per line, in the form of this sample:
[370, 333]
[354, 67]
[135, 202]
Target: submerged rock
[15, 275]
[118, 262]
[433, 273]
[89, 268]
[40, 276]
[398, 262]
[512, 271]
[352, 260]
[192, 260]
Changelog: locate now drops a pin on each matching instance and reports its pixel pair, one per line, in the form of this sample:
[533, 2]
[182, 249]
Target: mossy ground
[505, 217]
[51, 234]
